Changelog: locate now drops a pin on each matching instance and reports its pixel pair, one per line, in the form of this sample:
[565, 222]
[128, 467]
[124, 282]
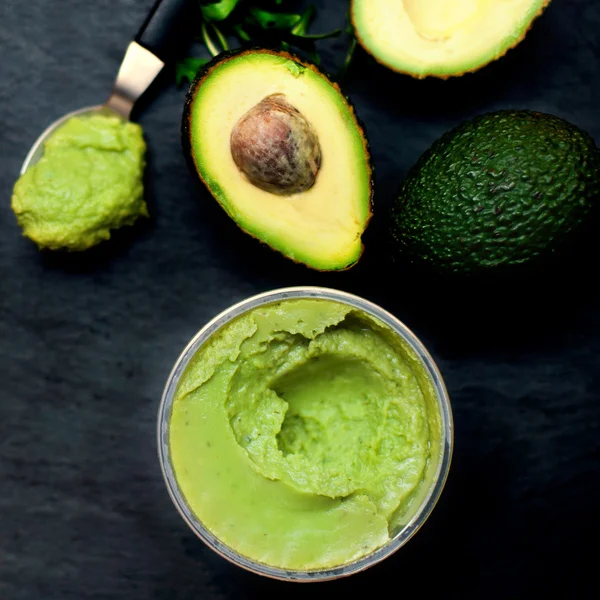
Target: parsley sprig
[256, 22]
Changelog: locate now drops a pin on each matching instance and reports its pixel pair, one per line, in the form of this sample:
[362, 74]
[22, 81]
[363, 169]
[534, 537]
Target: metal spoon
[145, 57]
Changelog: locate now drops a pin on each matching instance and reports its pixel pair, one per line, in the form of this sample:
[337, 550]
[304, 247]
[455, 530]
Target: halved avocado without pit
[280, 149]
[442, 38]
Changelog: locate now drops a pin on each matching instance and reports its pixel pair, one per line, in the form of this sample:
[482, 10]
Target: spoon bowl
[154, 44]
[36, 151]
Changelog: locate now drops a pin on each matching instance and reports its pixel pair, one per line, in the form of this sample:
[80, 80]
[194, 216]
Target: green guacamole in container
[302, 432]
[87, 182]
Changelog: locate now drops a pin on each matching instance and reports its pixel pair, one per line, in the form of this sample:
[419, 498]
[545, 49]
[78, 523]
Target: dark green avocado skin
[508, 188]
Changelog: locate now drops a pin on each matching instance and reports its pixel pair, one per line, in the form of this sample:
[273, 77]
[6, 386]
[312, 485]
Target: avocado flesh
[320, 227]
[507, 188]
[441, 38]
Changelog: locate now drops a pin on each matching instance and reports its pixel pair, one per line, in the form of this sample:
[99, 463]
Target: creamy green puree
[300, 432]
[87, 182]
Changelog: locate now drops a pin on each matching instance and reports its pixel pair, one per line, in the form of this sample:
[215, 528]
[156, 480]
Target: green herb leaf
[222, 39]
[187, 69]
[305, 19]
[318, 36]
[313, 55]
[241, 33]
[267, 19]
[348, 60]
[212, 48]
[217, 11]
[300, 29]
[251, 22]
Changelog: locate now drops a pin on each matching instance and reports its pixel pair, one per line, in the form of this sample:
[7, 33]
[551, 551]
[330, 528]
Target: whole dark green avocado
[504, 189]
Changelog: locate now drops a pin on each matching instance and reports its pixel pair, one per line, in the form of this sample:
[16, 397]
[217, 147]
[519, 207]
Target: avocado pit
[276, 148]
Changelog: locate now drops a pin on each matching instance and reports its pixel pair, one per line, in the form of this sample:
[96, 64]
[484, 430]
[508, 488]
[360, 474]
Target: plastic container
[437, 469]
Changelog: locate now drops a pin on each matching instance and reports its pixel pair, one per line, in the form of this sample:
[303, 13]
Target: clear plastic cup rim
[435, 487]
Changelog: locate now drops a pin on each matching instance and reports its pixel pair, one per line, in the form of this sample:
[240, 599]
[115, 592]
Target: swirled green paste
[299, 431]
[87, 182]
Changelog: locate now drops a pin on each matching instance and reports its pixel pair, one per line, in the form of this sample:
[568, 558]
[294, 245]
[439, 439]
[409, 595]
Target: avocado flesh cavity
[320, 226]
[439, 19]
[442, 38]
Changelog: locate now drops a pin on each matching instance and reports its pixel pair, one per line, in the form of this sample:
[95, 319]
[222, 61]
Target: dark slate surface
[86, 342]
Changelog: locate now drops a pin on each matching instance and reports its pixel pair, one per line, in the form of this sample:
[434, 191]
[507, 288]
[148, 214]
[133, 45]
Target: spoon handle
[165, 27]
[155, 44]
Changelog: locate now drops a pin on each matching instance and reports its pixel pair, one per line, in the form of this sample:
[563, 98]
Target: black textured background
[87, 341]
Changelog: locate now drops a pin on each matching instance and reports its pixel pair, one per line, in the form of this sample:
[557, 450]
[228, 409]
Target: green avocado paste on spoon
[87, 182]
[301, 434]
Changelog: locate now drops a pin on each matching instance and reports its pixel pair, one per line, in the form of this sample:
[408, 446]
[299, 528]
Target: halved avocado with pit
[281, 150]
[441, 38]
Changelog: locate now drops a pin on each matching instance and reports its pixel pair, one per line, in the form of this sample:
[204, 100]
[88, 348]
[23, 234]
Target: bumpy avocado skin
[506, 189]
